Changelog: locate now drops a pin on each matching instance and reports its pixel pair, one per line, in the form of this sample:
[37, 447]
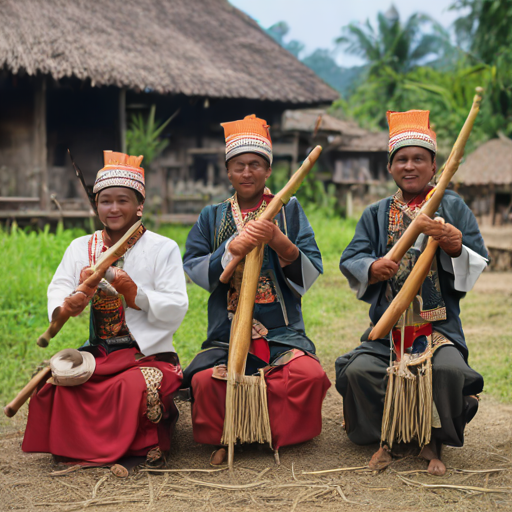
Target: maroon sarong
[103, 419]
[295, 392]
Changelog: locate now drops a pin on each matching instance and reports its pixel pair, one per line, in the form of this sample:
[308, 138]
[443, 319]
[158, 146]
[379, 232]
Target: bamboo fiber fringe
[408, 404]
[247, 419]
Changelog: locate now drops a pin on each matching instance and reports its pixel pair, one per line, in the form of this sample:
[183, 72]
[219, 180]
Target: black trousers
[362, 382]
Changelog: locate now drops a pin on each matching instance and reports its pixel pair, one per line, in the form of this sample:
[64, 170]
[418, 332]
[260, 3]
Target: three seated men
[130, 352]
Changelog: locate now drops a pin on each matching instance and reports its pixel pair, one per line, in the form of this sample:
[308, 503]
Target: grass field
[334, 318]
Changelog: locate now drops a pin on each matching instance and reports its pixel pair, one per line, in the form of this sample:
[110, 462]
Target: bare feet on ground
[380, 459]
[435, 465]
[218, 457]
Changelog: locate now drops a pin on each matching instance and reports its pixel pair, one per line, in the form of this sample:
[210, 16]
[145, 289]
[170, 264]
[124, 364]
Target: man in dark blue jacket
[461, 257]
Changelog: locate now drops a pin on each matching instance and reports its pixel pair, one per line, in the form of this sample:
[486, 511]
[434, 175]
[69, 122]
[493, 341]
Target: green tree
[393, 44]
[484, 30]
[143, 136]
[447, 94]
[278, 32]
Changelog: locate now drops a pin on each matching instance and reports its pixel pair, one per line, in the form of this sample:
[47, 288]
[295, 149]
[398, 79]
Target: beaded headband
[249, 135]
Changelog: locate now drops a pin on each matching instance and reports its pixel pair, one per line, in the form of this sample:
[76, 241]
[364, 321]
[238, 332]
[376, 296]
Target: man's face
[248, 173]
[412, 169]
[117, 208]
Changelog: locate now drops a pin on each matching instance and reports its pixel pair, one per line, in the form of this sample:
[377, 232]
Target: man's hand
[124, 284]
[75, 303]
[382, 270]
[255, 232]
[85, 273]
[287, 251]
[447, 235]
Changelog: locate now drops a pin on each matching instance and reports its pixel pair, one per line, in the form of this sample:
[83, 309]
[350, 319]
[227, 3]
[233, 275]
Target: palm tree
[393, 44]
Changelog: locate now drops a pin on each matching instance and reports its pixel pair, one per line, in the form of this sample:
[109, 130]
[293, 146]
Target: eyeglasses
[241, 166]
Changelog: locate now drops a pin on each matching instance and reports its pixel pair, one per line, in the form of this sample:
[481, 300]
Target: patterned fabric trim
[431, 303]
[242, 219]
[248, 143]
[411, 138]
[97, 245]
[439, 340]
[108, 311]
[120, 182]
[153, 377]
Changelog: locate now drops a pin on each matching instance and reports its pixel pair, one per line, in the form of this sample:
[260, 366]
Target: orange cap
[120, 170]
[249, 135]
[411, 128]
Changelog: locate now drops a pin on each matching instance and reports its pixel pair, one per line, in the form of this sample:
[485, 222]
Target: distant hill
[321, 61]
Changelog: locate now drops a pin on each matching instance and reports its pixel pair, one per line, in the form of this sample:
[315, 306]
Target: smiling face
[117, 208]
[248, 173]
[412, 169]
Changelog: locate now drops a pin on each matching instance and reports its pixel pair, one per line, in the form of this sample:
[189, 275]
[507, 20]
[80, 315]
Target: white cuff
[227, 256]
[309, 275]
[467, 268]
[141, 299]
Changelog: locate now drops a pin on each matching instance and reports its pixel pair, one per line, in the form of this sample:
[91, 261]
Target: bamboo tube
[12, 407]
[406, 295]
[429, 208]
[241, 332]
[60, 317]
[242, 323]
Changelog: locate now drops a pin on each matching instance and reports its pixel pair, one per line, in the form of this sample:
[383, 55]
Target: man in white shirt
[125, 408]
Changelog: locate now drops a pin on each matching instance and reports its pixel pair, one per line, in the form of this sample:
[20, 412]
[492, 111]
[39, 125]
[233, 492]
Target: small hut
[485, 182]
[354, 159]
[72, 73]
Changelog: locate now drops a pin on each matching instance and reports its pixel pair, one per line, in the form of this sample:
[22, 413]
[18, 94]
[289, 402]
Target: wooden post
[295, 156]
[122, 119]
[493, 204]
[350, 203]
[40, 149]
[163, 184]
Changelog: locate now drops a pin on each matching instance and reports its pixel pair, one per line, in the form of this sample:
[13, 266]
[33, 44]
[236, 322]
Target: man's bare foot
[218, 457]
[380, 459]
[432, 454]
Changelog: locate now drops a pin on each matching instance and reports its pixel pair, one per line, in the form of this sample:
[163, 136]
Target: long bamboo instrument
[241, 331]
[407, 240]
[242, 326]
[59, 317]
[406, 295]
[12, 407]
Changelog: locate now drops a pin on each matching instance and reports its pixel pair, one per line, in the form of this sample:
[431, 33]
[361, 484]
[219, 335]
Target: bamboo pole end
[9, 411]
[43, 340]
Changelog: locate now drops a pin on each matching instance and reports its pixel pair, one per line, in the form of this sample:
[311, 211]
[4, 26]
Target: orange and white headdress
[120, 170]
[249, 135]
[411, 128]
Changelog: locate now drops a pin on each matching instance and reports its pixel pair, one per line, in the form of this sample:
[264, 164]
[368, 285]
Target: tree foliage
[393, 44]
[143, 136]
[400, 80]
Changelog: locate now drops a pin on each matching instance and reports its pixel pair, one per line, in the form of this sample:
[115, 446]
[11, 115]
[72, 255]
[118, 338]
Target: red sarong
[103, 419]
[295, 392]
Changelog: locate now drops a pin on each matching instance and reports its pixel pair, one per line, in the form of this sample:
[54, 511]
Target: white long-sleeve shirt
[154, 264]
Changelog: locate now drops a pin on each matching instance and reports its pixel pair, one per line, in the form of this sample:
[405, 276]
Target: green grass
[334, 318]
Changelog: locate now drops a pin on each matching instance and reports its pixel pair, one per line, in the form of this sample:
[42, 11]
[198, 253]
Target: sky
[316, 23]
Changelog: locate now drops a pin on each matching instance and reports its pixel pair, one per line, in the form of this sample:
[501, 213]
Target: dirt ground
[480, 473]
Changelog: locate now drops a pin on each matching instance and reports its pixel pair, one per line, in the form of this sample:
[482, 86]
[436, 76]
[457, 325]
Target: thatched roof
[368, 142]
[349, 136]
[490, 163]
[311, 119]
[194, 47]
